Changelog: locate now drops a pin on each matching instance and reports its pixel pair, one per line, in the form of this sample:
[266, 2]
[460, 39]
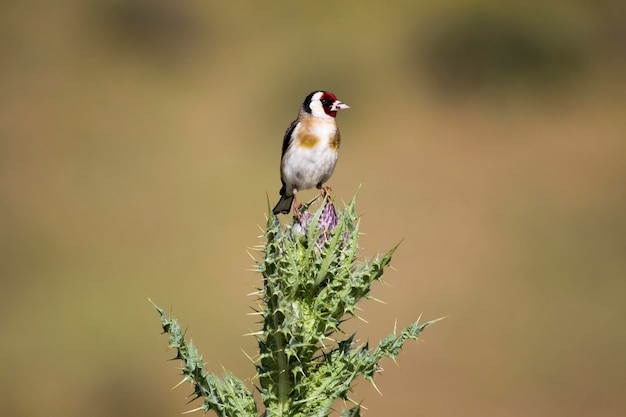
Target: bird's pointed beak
[338, 105]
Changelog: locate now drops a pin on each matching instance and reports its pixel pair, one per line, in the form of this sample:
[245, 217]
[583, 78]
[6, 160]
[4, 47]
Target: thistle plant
[312, 282]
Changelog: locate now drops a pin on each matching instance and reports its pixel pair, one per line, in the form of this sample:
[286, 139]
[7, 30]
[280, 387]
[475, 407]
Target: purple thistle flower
[326, 223]
[328, 219]
[302, 222]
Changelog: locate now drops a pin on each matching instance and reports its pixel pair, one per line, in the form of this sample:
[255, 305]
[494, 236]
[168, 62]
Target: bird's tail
[284, 205]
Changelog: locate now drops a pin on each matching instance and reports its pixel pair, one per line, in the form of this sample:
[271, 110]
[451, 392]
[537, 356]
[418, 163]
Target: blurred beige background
[139, 139]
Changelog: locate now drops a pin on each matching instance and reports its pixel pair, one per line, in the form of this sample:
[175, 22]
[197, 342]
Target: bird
[310, 147]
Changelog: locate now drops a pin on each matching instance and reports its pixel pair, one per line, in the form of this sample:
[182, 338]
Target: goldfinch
[310, 147]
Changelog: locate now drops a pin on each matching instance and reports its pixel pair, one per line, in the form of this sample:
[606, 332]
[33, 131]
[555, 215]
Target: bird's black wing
[287, 138]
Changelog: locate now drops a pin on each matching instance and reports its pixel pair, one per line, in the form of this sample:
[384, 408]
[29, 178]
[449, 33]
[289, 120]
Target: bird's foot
[325, 190]
[297, 208]
[297, 211]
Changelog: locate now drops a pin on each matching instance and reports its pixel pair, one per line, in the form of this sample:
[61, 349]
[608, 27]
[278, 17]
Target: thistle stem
[284, 387]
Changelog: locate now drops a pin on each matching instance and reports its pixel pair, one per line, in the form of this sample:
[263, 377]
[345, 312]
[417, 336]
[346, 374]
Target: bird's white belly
[305, 168]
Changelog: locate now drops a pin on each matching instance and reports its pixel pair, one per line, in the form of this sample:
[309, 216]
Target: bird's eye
[325, 101]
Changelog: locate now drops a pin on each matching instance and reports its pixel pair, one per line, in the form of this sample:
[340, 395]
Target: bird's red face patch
[327, 100]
